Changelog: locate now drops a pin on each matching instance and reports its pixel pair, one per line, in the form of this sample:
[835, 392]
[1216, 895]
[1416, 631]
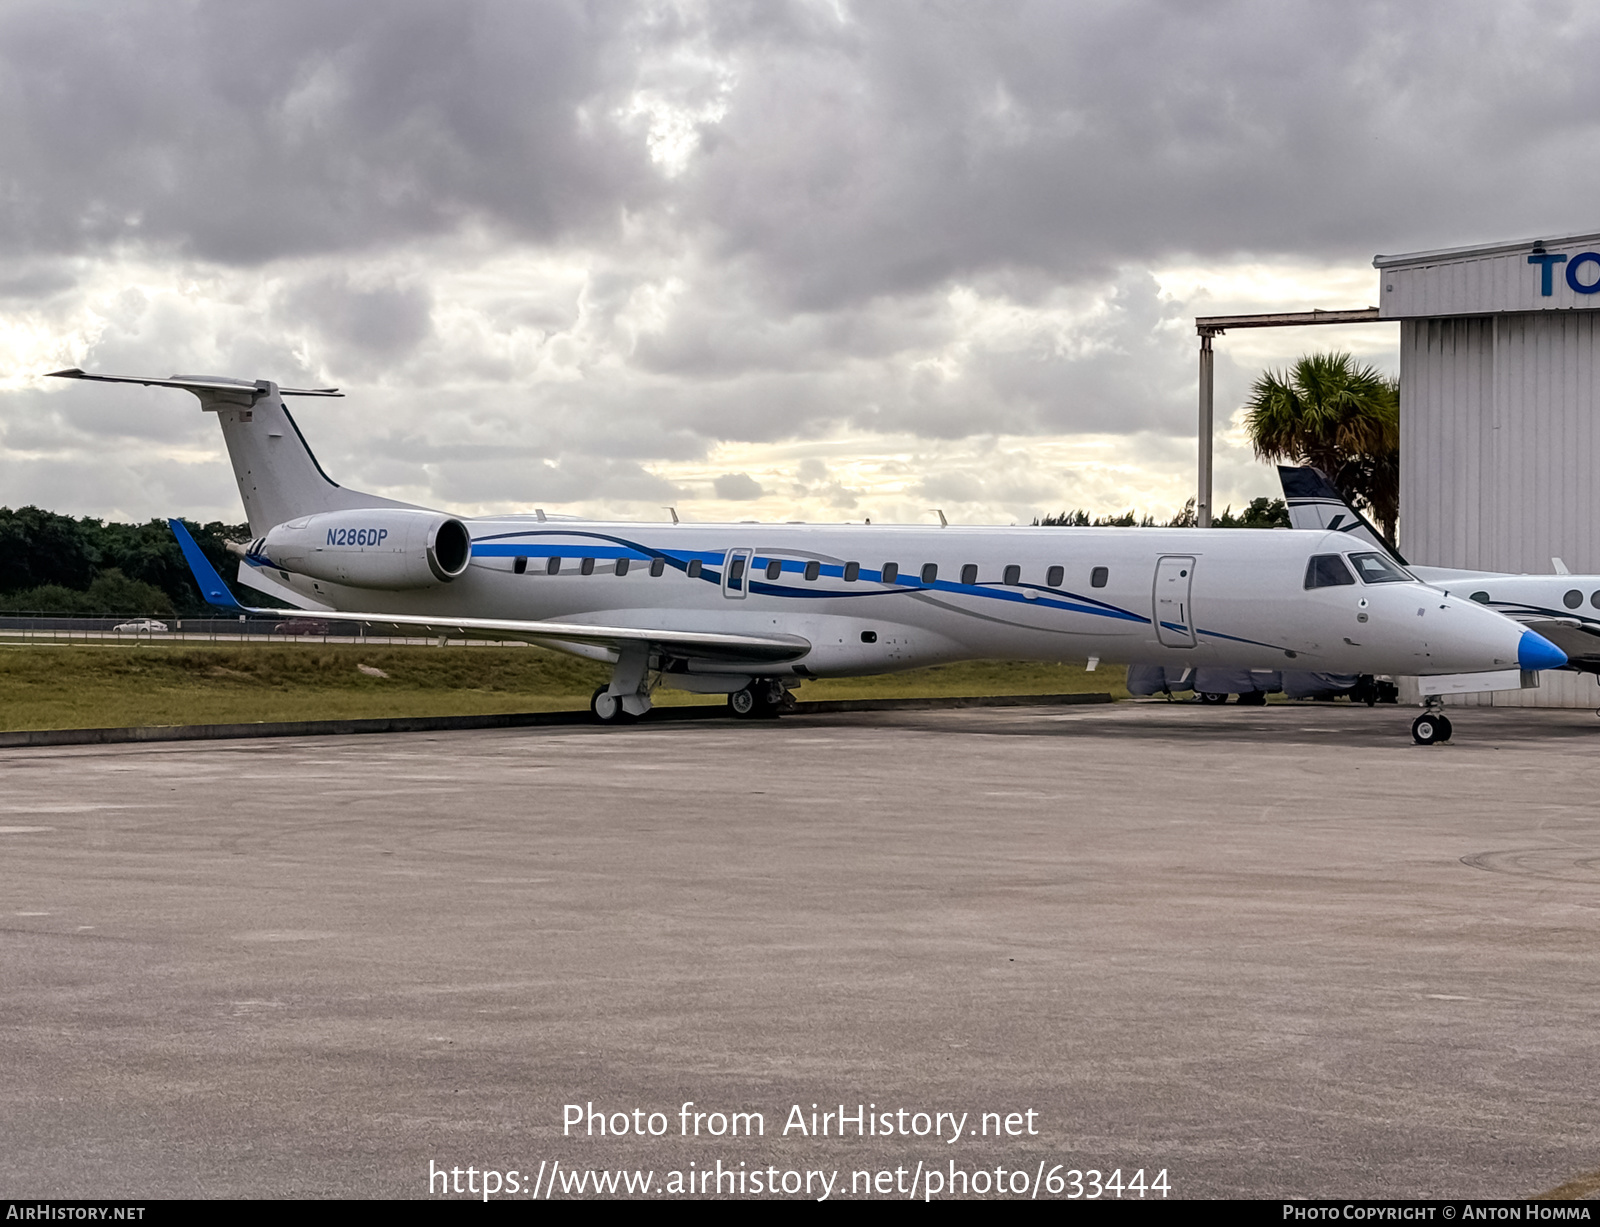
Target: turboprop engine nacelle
[383, 547]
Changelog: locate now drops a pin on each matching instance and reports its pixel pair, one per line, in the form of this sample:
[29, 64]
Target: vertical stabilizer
[279, 478]
[1314, 502]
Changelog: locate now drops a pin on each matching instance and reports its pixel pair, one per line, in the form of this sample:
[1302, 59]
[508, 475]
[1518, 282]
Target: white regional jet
[749, 610]
[1563, 608]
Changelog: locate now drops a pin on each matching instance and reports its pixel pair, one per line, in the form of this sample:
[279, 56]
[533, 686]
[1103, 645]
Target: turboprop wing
[621, 640]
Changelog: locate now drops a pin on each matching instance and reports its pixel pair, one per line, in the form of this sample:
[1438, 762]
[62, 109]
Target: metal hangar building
[1499, 444]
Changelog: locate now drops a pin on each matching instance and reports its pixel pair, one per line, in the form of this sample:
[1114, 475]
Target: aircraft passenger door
[736, 574]
[1174, 618]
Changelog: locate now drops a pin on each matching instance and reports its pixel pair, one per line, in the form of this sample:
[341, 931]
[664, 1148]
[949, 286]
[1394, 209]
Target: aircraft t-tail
[751, 610]
[1562, 608]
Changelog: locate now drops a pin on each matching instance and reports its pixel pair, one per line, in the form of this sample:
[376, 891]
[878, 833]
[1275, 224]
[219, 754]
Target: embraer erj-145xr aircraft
[1563, 608]
[749, 610]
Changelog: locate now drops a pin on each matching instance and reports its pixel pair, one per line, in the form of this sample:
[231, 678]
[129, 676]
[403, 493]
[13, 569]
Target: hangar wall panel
[1446, 444]
[1500, 455]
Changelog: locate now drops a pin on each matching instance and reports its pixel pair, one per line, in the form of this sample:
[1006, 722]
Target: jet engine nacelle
[383, 547]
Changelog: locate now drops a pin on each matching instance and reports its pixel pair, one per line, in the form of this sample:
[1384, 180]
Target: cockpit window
[1327, 571]
[1377, 569]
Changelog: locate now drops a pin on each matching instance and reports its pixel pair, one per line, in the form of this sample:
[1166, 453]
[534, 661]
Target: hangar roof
[1477, 250]
[1559, 274]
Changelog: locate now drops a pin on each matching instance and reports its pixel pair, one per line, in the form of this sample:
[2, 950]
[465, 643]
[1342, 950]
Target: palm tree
[1344, 419]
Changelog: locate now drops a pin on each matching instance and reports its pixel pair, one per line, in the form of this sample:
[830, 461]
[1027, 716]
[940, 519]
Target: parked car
[141, 627]
[300, 626]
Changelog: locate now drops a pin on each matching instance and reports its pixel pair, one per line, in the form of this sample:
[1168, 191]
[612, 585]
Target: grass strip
[44, 686]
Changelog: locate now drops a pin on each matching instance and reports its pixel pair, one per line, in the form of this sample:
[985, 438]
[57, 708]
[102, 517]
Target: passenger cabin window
[587, 566]
[852, 572]
[930, 572]
[1013, 574]
[1327, 571]
[622, 566]
[693, 569]
[1573, 599]
[774, 569]
[1054, 576]
[891, 572]
[658, 567]
[1377, 569]
[520, 564]
[969, 573]
[813, 569]
[553, 567]
[1098, 577]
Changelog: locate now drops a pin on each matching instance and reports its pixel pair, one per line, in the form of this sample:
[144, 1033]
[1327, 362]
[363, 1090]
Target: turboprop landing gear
[1432, 726]
[762, 699]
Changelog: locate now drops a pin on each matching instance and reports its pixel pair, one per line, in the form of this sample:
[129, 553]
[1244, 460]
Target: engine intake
[385, 547]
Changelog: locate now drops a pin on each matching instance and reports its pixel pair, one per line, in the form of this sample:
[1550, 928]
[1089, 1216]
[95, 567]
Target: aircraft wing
[702, 645]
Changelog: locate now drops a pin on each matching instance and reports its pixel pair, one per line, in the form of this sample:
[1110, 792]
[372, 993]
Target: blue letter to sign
[1578, 262]
[1546, 263]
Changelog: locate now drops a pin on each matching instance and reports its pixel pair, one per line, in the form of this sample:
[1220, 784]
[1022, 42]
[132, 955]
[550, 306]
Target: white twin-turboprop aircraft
[750, 610]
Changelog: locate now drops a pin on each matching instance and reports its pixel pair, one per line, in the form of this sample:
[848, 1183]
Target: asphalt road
[1271, 952]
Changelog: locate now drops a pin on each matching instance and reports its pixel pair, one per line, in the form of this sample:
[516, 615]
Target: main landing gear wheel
[607, 708]
[1213, 700]
[1430, 729]
[760, 700]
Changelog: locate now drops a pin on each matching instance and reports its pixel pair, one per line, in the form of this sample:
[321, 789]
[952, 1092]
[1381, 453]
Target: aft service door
[736, 573]
[1174, 620]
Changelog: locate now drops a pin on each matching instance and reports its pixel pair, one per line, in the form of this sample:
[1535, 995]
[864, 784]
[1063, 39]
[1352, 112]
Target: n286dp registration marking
[357, 536]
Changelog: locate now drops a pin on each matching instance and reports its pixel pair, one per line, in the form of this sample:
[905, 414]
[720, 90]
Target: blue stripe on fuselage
[578, 544]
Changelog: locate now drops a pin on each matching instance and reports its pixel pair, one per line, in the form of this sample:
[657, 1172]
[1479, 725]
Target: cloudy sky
[789, 260]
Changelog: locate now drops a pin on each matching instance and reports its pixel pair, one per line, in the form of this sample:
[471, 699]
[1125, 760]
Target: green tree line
[1258, 513]
[52, 563]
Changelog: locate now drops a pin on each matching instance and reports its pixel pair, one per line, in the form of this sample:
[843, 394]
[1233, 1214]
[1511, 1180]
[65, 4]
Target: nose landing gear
[1432, 727]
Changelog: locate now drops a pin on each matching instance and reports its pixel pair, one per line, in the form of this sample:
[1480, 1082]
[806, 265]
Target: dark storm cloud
[381, 320]
[901, 147]
[562, 242]
[922, 143]
[244, 131]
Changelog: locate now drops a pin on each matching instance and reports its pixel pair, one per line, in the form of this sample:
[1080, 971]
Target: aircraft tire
[742, 703]
[1429, 729]
[1255, 698]
[1213, 700]
[605, 708]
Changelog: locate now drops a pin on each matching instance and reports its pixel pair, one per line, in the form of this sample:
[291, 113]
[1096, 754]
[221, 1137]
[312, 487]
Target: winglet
[212, 589]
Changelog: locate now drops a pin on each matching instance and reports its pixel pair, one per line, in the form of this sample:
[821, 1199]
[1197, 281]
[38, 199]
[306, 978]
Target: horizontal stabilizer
[194, 383]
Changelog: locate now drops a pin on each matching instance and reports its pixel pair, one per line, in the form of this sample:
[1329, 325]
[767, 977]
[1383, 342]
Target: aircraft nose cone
[1536, 652]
